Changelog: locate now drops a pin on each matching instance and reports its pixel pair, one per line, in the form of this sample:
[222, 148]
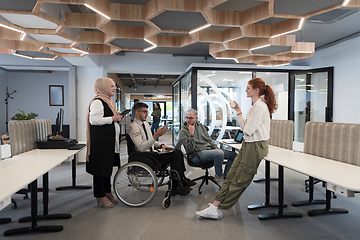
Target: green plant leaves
[23, 116]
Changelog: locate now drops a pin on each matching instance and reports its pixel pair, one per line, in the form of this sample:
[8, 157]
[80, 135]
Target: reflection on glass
[310, 101]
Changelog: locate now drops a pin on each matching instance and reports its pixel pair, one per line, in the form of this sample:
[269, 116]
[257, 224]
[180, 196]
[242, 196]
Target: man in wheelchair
[140, 133]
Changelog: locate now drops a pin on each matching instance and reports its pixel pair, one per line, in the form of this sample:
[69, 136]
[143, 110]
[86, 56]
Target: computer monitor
[59, 122]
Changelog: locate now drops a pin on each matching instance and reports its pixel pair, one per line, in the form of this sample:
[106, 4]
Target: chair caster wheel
[166, 202]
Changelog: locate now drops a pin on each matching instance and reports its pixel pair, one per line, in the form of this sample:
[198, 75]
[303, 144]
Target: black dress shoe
[188, 182]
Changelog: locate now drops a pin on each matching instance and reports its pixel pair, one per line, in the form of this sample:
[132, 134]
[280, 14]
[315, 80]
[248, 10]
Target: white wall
[85, 92]
[32, 93]
[345, 57]
[3, 84]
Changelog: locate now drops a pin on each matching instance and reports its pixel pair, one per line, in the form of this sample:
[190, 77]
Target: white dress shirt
[138, 136]
[256, 126]
[96, 118]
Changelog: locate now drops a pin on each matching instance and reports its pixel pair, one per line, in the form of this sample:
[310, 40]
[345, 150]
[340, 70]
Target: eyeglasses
[190, 118]
[146, 112]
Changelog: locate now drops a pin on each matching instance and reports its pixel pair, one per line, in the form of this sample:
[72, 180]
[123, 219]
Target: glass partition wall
[210, 91]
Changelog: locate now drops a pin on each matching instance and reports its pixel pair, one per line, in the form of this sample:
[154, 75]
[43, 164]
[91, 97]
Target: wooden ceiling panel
[236, 30]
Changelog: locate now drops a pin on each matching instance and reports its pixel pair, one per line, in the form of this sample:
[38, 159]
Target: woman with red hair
[256, 128]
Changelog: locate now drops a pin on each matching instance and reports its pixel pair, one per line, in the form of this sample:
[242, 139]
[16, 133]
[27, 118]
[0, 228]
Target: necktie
[147, 138]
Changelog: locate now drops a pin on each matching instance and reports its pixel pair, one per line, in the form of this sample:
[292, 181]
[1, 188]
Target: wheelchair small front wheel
[135, 184]
[166, 202]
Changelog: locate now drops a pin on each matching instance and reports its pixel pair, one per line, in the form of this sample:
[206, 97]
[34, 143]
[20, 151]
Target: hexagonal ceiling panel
[131, 43]
[29, 21]
[179, 20]
[168, 25]
[20, 5]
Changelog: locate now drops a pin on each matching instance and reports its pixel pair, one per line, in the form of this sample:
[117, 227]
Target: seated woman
[256, 128]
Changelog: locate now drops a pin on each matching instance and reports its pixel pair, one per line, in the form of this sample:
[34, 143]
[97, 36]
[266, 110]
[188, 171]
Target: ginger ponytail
[266, 90]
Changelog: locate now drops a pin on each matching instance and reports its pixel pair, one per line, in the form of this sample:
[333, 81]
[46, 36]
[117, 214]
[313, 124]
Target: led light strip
[300, 26]
[151, 47]
[29, 57]
[346, 2]
[14, 29]
[267, 45]
[79, 50]
[200, 28]
[95, 10]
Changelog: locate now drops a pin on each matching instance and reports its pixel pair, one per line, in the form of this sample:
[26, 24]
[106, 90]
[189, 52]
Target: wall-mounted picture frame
[56, 95]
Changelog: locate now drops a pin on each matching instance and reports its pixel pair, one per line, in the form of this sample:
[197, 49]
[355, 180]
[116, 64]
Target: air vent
[332, 16]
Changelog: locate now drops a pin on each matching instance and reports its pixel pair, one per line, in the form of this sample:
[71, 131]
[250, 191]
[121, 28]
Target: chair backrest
[336, 141]
[130, 145]
[25, 133]
[281, 133]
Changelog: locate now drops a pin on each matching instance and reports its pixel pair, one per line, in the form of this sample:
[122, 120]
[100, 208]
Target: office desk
[25, 168]
[342, 175]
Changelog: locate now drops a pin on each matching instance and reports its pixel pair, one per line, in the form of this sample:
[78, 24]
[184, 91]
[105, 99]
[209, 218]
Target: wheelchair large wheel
[135, 184]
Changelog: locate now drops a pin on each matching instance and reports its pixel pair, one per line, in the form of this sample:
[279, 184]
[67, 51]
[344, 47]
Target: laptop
[177, 146]
[238, 138]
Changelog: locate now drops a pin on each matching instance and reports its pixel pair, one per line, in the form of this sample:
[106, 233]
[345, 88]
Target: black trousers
[103, 185]
[175, 159]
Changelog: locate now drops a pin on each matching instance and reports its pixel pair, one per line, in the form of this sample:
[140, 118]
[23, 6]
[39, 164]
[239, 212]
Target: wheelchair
[136, 183]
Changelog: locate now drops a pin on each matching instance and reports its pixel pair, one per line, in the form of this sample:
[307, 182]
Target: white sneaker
[219, 180]
[210, 212]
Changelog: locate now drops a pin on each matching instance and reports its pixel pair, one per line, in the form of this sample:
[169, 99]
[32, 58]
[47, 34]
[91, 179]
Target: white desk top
[341, 174]
[22, 169]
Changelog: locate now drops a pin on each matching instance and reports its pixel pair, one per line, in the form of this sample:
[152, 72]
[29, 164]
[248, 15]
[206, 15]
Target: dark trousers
[101, 186]
[175, 159]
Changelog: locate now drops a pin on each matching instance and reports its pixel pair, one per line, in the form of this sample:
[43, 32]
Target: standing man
[140, 133]
[199, 141]
[132, 110]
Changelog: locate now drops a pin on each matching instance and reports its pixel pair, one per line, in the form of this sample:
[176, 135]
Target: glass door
[312, 99]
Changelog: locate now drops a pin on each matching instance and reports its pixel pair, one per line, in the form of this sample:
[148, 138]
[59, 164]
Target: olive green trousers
[241, 173]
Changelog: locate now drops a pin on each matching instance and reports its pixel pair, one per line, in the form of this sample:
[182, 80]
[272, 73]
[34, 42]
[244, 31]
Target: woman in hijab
[103, 143]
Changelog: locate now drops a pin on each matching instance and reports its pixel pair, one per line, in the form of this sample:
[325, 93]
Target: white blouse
[256, 126]
[96, 118]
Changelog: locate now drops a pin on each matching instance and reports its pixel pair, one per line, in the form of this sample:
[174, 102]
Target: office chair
[203, 165]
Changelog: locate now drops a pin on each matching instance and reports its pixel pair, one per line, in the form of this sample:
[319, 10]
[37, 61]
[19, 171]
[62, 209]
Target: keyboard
[76, 146]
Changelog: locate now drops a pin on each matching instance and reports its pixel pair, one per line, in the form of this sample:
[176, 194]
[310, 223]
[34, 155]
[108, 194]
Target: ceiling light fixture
[79, 50]
[95, 10]
[302, 52]
[200, 28]
[267, 45]
[345, 2]
[300, 26]
[210, 75]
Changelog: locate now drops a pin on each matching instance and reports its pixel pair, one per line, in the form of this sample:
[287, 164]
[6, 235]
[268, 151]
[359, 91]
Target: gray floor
[179, 221]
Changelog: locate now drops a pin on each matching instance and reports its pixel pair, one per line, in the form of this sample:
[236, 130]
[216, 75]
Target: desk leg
[267, 203]
[328, 209]
[280, 213]
[46, 214]
[311, 200]
[74, 186]
[34, 227]
[267, 165]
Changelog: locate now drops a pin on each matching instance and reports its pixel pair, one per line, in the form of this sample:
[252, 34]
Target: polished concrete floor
[179, 221]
